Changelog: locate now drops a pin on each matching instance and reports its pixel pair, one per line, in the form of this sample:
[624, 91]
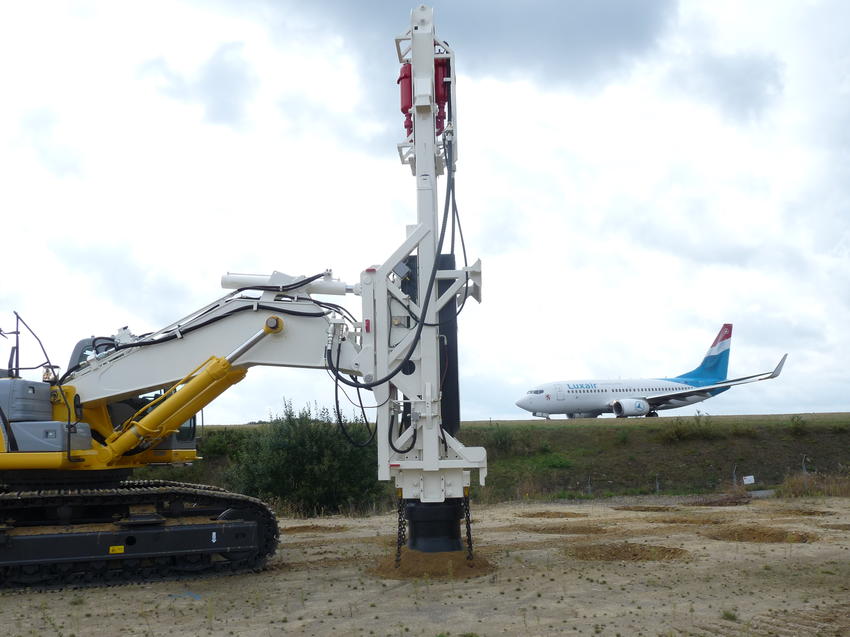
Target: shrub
[814, 484]
[221, 442]
[799, 427]
[498, 439]
[699, 427]
[304, 463]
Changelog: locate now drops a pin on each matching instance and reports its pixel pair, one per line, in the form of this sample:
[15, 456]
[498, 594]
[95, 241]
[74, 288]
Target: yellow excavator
[69, 510]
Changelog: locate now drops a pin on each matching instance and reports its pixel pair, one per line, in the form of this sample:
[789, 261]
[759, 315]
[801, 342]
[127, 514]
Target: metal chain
[401, 536]
[468, 527]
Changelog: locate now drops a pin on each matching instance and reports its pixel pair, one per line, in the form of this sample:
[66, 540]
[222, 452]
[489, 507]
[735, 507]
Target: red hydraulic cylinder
[441, 91]
[405, 83]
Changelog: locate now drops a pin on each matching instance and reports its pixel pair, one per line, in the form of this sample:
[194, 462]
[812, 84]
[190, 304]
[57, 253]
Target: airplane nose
[522, 403]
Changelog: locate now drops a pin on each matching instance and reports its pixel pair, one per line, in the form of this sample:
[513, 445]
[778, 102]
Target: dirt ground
[638, 566]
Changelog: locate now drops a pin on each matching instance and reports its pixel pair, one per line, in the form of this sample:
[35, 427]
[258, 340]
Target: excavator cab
[88, 348]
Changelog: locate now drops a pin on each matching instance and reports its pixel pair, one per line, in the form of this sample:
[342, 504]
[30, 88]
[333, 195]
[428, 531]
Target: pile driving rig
[68, 511]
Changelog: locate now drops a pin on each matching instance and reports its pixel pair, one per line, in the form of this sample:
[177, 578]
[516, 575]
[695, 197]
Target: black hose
[283, 288]
[390, 437]
[431, 280]
[180, 332]
[339, 420]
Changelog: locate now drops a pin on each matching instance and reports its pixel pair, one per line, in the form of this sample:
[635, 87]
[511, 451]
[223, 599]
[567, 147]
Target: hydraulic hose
[431, 280]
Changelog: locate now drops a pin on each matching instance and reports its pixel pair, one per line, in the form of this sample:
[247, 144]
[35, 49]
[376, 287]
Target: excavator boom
[69, 443]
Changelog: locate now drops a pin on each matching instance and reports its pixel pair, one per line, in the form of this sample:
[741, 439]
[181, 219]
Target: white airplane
[642, 396]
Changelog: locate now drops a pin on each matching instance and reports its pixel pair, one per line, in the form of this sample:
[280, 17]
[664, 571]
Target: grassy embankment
[590, 458]
[597, 457]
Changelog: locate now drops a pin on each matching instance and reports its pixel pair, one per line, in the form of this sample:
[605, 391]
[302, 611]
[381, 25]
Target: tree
[304, 462]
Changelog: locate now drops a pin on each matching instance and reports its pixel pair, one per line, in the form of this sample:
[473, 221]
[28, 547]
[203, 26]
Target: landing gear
[652, 414]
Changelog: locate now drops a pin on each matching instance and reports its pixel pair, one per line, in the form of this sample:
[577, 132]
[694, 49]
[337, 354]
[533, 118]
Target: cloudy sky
[631, 174]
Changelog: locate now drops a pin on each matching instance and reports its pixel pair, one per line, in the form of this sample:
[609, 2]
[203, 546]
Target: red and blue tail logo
[715, 365]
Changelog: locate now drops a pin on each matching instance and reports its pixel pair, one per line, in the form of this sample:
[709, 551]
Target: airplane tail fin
[715, 365]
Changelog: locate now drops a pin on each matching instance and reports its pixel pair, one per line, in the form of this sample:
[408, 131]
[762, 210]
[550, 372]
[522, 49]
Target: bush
[799, 427]
[699, 427]
[814, 485]
[498, 440]
[304, 463]
[221, 442]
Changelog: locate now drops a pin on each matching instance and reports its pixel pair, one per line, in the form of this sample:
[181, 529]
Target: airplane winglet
[778, 369]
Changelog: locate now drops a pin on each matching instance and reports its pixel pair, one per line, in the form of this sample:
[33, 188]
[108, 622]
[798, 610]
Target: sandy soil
[645, 566]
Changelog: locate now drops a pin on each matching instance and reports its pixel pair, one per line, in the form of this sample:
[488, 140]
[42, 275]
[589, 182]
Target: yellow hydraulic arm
[188, 396]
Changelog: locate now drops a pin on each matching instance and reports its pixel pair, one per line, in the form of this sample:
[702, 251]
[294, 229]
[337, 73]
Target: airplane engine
[630, 407]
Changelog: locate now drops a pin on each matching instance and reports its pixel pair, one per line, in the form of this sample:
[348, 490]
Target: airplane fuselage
[591, 398]
[642, 396]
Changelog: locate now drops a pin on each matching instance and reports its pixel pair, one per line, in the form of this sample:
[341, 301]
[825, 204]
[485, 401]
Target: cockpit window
[534, 391]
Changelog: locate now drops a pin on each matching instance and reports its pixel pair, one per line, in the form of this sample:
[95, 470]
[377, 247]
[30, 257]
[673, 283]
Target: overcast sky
[631, 174]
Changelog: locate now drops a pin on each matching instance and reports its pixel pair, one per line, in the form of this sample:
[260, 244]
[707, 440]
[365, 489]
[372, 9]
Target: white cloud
[618, 227]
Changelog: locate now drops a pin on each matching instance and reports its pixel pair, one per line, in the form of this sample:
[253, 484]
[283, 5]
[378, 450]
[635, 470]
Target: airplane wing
[659, 399]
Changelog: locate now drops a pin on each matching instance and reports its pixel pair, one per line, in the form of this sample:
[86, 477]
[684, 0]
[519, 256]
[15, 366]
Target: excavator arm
[403, 349]
[96, 422]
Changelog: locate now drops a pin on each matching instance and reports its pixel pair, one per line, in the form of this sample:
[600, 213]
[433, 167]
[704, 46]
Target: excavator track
[138, 530]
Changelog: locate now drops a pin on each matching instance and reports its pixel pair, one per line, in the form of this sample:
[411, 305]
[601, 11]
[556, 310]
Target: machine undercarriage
[133, 530]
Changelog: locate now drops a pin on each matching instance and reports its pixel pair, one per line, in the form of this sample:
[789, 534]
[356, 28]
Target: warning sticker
[119, 548]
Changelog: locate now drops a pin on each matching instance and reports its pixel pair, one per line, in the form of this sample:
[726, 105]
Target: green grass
[539, 459]
[674, 455]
